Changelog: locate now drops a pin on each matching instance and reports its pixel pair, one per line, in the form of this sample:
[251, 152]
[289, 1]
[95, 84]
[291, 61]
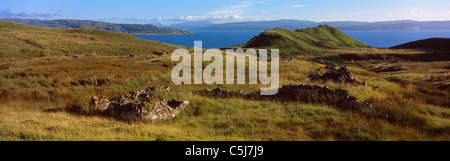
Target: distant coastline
[225, 38]
[400, 25]
[134, 29]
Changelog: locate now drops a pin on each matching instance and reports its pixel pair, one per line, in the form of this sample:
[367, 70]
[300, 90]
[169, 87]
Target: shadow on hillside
[85, 111]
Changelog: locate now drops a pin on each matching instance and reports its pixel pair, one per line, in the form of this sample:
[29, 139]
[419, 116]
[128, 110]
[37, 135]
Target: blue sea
[211, 38]
[221, 39]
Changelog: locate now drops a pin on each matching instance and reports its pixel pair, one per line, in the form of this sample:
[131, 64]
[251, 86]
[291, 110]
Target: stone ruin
[342, 76]
[142, 105]
[338, 98]
[315, 94]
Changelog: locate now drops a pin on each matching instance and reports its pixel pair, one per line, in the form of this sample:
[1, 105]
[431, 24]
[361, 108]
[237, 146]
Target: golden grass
[31, 87]
[45, 93]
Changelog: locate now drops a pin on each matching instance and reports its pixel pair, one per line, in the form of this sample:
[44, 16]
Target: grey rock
[144, 105]
[342, 76]
[100, 104]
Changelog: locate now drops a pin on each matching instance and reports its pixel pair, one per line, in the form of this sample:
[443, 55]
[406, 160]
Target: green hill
[292, 42]
[19, 40]
[332, 36]
[135, 29]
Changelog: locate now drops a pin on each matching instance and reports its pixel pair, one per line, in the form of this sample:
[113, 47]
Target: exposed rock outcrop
[342, 75]
[142, 105]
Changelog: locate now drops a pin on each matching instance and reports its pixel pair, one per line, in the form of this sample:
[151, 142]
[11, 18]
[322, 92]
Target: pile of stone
[315, 94]
[341, 99]
[341, 75]
[142, 105]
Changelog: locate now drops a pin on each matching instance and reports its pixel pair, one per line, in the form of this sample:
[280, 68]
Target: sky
[221, 11]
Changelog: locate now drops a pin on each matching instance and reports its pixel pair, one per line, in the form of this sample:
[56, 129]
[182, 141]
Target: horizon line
[232, 22]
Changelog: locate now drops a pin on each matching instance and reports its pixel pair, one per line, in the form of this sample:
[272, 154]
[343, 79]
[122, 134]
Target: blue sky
[175, 11]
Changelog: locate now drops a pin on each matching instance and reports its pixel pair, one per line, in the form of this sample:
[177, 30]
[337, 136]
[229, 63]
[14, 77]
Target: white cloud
[417, 11]
[211, 18]
[233, 10]
[8, 14]
[390, 13]
[413, 11]
[295, 6]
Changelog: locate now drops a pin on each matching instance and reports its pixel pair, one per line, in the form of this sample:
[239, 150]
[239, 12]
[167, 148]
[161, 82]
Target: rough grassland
[47, 99]
[45, 93]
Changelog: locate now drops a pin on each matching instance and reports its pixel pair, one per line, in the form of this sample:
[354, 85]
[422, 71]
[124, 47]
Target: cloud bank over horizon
[7, 13]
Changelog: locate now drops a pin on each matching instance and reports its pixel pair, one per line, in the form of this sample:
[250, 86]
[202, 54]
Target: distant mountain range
[295, 42]
[296, 24]
[135, 29]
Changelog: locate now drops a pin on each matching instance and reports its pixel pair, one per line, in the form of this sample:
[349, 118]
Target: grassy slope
[26, 41]
[332, 36]
[286, 40]
[291, 42]
[408, 104]
[29, 88]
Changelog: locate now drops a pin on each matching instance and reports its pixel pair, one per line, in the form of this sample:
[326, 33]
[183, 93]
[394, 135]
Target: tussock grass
[44, 92]
[47, 99]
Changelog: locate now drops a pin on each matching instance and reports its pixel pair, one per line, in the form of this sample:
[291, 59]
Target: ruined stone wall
[142, 105]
